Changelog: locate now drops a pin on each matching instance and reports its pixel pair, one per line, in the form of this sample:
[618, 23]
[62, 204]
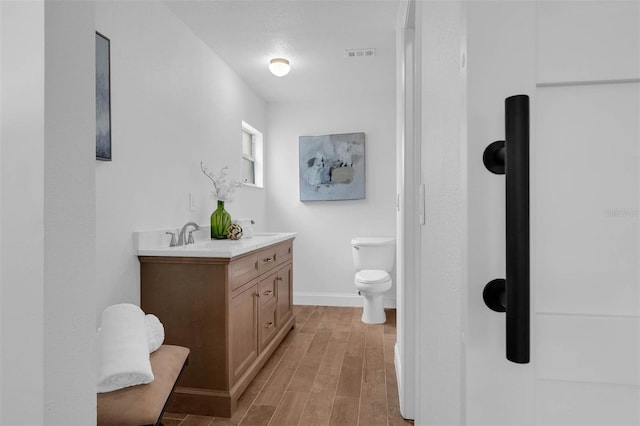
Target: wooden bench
[145, 404]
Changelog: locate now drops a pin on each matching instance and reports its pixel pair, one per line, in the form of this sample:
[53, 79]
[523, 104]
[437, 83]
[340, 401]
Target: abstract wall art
[332, 167]
[103, 98]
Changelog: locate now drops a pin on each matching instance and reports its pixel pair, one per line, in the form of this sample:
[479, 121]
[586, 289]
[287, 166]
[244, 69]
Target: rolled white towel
[155, 332]
[123, 348]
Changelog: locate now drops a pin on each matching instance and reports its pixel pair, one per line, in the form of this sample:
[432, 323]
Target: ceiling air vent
[358, 53]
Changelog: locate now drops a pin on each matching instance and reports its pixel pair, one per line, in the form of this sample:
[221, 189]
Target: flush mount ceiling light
[279, 67]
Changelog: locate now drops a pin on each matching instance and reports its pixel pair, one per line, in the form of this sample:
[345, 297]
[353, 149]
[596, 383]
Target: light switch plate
[421, 206]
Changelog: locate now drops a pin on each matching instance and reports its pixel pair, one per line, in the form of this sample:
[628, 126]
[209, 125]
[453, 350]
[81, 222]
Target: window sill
[252, 185]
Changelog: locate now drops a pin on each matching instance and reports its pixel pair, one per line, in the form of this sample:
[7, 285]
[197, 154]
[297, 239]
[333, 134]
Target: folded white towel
[155, 332]
[123, 348]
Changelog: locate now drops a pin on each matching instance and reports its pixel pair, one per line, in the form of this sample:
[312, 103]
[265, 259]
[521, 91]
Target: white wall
[22, 213]
[174, 103]
[323, 267]
[47, 210]
[441, 36]
[69, 220]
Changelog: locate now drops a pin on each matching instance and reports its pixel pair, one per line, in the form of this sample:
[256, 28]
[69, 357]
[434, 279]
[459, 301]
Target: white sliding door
[580, 64]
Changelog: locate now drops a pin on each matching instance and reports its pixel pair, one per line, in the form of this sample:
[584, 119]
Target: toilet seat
[372, 276]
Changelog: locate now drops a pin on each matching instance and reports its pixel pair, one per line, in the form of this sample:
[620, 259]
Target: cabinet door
[243, 318]
[284, 294]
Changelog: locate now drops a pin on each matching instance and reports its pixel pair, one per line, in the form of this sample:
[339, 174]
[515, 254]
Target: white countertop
[218, 248]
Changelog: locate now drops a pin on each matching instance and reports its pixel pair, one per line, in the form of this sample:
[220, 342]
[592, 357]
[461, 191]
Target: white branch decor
[223, 188]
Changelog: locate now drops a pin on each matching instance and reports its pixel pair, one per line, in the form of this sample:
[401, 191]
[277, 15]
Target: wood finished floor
[330, 370]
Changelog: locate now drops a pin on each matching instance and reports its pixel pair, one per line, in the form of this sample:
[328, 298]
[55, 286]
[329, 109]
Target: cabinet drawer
[267, 326]
[274, 255]
[243, 270]
[267, 289]
[267, 259]
[283, 252]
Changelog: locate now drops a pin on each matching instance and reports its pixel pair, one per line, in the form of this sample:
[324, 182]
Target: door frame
[407, 228]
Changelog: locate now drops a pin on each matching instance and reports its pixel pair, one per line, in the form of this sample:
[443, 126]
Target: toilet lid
[372, 276]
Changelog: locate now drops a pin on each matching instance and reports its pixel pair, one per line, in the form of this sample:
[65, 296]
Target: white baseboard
[398, 364]
[335, 299]
[404, 395]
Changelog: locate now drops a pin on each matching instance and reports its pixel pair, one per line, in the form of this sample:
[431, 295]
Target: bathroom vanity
[230, 302]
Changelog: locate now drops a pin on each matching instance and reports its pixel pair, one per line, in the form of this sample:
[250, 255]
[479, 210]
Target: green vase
[220, 222]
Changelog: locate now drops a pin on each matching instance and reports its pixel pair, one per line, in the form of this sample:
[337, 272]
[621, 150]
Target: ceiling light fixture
[279, 67]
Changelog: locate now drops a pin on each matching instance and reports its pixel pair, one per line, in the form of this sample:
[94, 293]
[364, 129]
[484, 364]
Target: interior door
[579, 63]
[586, 199]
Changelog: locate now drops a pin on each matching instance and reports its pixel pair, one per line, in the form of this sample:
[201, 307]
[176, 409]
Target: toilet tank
[373, 253]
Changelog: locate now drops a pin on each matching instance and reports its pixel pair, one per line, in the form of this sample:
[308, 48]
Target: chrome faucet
[181, 238]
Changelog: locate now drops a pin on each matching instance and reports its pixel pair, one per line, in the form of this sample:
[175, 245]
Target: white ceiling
[312, 34]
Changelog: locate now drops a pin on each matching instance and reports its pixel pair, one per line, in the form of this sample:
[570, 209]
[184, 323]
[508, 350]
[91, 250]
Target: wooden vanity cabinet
[231, 312]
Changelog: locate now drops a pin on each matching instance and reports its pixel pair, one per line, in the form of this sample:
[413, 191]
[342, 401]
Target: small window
[251, 156]
[248, 160]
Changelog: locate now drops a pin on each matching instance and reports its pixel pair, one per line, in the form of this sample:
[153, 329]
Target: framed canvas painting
[103, 98]
[332, 167]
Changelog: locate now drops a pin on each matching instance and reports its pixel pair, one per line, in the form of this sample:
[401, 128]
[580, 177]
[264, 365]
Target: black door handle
[511, 158]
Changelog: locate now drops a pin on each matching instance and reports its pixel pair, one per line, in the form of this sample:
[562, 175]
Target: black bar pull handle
[511, 158]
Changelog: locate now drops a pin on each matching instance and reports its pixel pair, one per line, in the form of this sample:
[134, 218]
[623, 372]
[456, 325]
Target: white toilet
[373, 258]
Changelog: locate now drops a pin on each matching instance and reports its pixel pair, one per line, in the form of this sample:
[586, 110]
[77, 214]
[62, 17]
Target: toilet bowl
[372, 284]
[373, 258]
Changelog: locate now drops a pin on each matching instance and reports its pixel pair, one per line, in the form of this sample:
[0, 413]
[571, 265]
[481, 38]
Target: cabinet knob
[269, 324]
[268, 259]
[278, 278]
[268, 292]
